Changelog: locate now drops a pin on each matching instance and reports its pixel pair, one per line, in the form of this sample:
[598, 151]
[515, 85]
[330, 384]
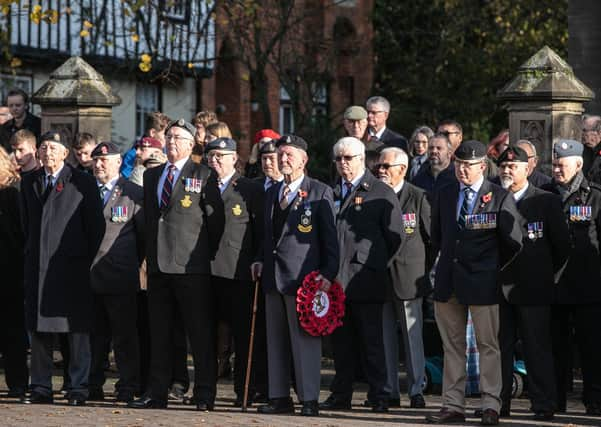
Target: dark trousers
[260, 348]
[585, 319]
[192, 296]
[115, 318]
[533, 324]
[143, 339]
[234, 302]
[13, 338]
[361, 332]
[180, 378]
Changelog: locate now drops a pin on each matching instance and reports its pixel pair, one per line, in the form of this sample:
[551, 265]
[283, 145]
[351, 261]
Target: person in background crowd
[355, 122]
[13, 342]
[4, 136]
[254, 166]
[82, 152]
[155, 124]
[477, 228]
[453, 131]
[378, 109]
[496, 147]
[281, 275]
[115, 284]
[439, 171]
[578, 295]
[528, 297]
[63, 225]
[4, 114]
[24, 149]
[17, 102]
[535, 177]
[236, 206]
[369, 235]
[201, 120]
[410, 279]
[145, 148]
[591, 139]
[418, 149]
[217, 130]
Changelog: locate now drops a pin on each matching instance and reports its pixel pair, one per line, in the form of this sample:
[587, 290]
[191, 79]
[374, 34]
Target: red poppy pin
[302, 194]
[486, 198]
[59, 187]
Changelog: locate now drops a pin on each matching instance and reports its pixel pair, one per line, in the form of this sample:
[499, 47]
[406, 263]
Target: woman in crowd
[418, 149]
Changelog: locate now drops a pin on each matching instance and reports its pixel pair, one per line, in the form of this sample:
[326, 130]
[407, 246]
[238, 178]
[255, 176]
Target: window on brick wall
[286, 115]
[147, 101]
[9, 81]
[320, 99]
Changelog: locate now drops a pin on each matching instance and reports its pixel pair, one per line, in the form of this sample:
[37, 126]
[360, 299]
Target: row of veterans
[478, 237]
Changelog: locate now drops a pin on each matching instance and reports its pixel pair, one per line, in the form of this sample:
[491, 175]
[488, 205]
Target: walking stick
[250, 346]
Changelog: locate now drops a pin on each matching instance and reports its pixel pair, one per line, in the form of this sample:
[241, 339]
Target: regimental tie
[103, 190]
[284, 199]
[167, 187]
[468, 195]
[349, 188]
[49, 186]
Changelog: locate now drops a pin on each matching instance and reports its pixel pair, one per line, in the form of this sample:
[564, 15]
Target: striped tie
[167, 187]
[465, 207]
[284, 199]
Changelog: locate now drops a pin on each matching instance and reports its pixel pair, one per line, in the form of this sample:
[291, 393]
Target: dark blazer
[471, 259]
[62, 237]
[410, 268]
[11, 234]
[580, 282]
[298, 253]
[426, 180]
[177, 240]
[545, 252]
[539, 179]
[238, 214]
[369, 230]
[116, 267]
[392, 139]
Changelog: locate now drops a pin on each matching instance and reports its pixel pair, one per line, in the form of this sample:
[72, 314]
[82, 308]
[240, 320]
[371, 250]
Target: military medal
[409, 223]
[119, 213]
[336, 207]
[580, 213]
[237, 210]
[186, 201]
[358, 202]
[192, 185]
[305, 225]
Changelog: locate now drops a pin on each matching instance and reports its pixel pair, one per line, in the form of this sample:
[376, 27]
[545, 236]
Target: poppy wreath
[319, 313]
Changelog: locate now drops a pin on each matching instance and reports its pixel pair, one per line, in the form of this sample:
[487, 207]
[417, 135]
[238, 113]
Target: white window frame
[286, 113]
[147, 101]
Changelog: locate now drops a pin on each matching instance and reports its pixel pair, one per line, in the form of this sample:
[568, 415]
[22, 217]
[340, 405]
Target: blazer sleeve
[93, 219]
[435, 225]
[510, 223]
[328, 240]
[559, 234]
[393, 227]
[257, 220]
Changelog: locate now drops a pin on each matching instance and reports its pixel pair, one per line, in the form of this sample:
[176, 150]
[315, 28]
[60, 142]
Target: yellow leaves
[190, 65]
[146, 58]
[245, 77]
[145, 64]
[84, 33]
[135, 38]
[51, 16]
[15, 62]
[36, 14]
[87, 24]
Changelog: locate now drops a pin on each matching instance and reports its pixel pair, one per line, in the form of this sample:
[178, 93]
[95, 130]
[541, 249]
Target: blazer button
[275, 252]
[455, 260]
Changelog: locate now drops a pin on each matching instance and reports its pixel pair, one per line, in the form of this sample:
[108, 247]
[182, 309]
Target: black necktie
[465, 207]
[49, 187]
[349, 188]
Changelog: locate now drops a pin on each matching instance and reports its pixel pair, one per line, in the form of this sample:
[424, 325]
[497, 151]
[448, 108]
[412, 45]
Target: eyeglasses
[374, 112]
[217, 156]
[448, 132]
[387, 166]
[178, 138]
[345, 158]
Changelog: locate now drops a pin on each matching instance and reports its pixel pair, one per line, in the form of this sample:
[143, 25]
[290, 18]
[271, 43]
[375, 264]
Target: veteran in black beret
[525, 310]
[63, 226]
[578, 297]
[478, 230]
[178, 255]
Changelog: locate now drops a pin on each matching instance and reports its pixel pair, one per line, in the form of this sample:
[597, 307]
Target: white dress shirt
[475, 188]
[293, 186]
[176, 172]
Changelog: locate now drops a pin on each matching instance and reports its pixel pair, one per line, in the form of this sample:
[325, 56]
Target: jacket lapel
[63, 177]
[291, 219]
[38, 184]
[403, 196]
[178, 186]
[479, 204]
[227, 193]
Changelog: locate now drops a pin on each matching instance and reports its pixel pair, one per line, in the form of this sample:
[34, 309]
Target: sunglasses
[345, 158]
[387, 166]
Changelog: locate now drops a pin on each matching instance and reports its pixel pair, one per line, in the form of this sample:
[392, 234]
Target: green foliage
[440, 59]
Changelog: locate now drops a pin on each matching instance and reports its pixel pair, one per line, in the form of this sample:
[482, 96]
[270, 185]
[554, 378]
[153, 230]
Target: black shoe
[310, 409]
[418, 401]
[394, 403]
[147, 402]
[281, 405]
[239, 401]
[124, 396]
[333, 403]
[205, 406]
[37, 398]
[505, 412]
[543, 415]
[490, 417]
[380, 407]
[18, 392]
[445, 416]
[76, 400]
[593, 409]
[96, 394]
[176, 392]
[260, 398]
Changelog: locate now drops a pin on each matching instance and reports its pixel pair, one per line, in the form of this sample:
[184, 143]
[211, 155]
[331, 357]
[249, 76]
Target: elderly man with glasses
[378, 109]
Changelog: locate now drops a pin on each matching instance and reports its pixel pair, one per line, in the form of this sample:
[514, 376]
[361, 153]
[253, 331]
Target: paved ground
[111, 414]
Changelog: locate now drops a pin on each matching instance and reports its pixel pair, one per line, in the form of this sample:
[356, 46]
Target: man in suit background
[528, 297]
[236, 205]
[536, 177]
[300, 237]
[63, 225]
[115, 277]
[378, 109]
[439, 171]
[410, 281]
[178, 255]
[453, 131]
[478, 230]
[368, 223]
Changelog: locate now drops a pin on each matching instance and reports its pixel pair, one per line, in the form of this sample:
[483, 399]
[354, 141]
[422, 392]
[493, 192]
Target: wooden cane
[250, 346]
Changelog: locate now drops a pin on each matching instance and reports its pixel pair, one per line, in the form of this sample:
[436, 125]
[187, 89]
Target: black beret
[267, 147]
[55, 136]
[225, 144]
[470, 150]
[567, 148]
[292, 140]
[374, 146]
[105, 149]
[181, 123]
[513, 153]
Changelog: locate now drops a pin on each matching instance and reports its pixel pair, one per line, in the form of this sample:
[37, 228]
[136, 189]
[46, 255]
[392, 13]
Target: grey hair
[378, 100]
[350, 142]
[596, 120]
[529, 144]
[442, 136]
[399, 155]
[424, 130]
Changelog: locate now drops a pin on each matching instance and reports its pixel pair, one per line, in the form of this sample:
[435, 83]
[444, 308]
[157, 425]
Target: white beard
[506, 182]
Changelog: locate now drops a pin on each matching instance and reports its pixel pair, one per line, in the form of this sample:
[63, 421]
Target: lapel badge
[358, 202]
[119, 213]
[186, 201]
[237, 210]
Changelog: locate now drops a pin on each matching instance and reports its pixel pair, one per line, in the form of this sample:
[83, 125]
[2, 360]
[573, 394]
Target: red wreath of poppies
[320, 313]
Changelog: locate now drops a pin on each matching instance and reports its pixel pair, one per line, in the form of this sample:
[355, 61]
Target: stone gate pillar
[77, 99]
[545, 102]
